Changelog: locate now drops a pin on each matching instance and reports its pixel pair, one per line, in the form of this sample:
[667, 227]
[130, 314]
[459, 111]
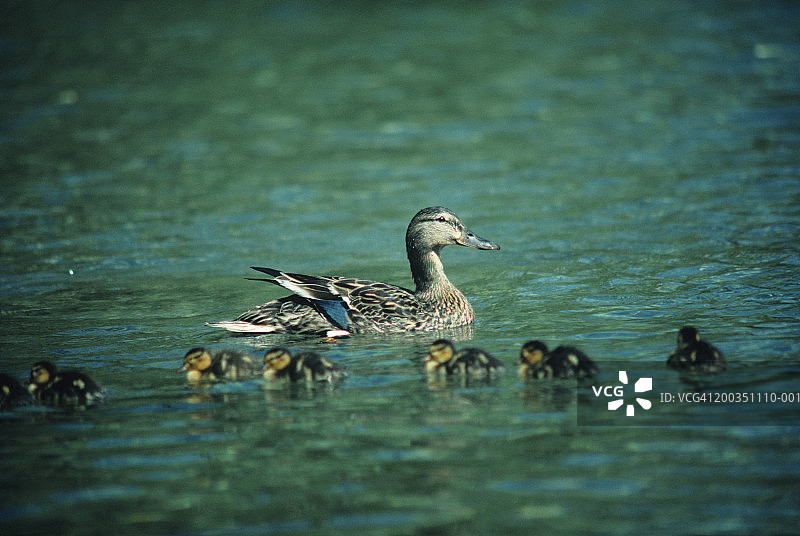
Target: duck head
[433, 228]
[276, 360]
[532, 353]
[196, 359]
[440, 353]
[41, 373]
[430, 230]
[686, 336]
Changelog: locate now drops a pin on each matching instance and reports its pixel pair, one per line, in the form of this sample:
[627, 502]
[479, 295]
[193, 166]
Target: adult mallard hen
[343, 305]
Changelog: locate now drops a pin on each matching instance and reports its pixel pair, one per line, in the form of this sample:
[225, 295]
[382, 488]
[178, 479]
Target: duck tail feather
[268, 271]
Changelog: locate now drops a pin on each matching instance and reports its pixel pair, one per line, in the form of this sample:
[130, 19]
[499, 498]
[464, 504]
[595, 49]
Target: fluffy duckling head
[276, 361]
[687, 335]
[440, 353]
[532, 353]
[196, 362]
[41, 373]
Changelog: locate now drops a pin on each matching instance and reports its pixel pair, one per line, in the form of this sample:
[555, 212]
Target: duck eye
[442, 219]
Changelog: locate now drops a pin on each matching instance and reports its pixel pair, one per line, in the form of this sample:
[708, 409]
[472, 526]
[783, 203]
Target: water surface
[637, 165]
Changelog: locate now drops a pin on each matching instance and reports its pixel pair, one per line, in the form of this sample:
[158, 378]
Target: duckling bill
[693, 353]
[202, 364]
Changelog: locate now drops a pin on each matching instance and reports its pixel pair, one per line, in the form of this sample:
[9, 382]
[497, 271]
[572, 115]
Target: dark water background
[637, 162]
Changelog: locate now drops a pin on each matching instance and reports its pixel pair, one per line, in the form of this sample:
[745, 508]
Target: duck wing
[309, 286]
[291, 314]
[352, 304]
[377, 307]
[329, 303]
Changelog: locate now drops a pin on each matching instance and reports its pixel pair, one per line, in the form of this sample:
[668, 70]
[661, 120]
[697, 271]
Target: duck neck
[429, 276]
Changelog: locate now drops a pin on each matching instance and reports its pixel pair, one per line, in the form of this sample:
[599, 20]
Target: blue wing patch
[335, 311]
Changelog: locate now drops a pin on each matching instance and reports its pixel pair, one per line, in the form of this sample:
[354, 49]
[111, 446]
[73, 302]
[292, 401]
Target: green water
[636, 163]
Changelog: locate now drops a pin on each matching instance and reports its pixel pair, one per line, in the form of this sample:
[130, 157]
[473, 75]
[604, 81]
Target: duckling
[280, 364]
[62, 387]
[692, 353]
[201, 364]
[443, 359]
[563, 362]
[12, 393]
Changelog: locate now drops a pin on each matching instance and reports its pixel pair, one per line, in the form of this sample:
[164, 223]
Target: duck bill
[471, 240]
